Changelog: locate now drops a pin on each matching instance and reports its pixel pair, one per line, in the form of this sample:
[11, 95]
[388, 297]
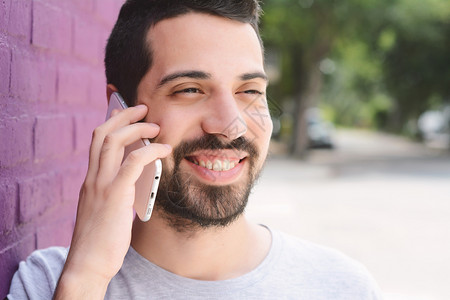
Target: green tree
[416, 66]
[302, 33]
[390, 56]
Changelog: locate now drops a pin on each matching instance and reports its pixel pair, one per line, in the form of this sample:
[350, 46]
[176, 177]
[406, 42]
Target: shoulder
[324, 268]
[38, 275]
[48, 261]
[314, 254]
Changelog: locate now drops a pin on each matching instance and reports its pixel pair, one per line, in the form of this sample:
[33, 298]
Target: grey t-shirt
[293, 269]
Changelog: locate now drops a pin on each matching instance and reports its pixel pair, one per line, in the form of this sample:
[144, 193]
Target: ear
[110, 88]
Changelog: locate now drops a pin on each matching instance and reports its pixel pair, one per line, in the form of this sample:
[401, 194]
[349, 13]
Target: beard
[189, 205]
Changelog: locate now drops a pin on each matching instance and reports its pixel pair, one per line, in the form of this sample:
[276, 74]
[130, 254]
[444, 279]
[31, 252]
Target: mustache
[212, 142]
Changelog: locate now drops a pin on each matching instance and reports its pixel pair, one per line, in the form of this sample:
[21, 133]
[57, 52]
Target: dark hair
[128, 54]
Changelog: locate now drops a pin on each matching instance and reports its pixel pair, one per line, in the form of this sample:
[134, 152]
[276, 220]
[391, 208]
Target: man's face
[206, 90]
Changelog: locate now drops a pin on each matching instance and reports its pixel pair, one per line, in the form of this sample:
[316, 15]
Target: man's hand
[102, 232]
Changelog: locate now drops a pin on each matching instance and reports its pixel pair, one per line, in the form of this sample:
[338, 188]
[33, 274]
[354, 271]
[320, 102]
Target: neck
[206, 254]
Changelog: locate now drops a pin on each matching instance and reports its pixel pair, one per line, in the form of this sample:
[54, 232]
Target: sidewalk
[387, 204]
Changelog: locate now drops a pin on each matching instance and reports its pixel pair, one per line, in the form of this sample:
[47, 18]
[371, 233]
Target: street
[380, 199]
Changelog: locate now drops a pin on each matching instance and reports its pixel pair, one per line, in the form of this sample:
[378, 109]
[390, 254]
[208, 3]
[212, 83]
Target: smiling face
[206, 90]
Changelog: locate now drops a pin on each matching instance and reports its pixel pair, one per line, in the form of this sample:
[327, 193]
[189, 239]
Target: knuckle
[83, 190]
[99, 189]
[126, 171]
[109, 139]
[134, 157]
[98, 132]
[88, 186]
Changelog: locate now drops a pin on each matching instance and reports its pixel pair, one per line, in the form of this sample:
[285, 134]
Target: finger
[112, 151]
[114, 112]
[135, 162]
[121, 119]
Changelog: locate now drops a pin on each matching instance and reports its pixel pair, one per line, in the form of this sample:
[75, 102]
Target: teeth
[218, 165]
[226, 165]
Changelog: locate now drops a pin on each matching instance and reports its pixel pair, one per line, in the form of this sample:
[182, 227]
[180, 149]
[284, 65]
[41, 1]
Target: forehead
[197, 41]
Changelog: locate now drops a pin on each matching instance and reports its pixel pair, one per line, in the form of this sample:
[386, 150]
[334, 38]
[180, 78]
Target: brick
[58, 233]
[5, 68]
[103, 36]
[86, 5]
[33, 78]
[84, 125]
[108, 10]
[85, 40]
[20, 19]
[97, 90]
[73, 84]
[8, 205]
[52, 27]
[53, 136]
[37, 194]
[17, 141]
[10, 257]
[4, 14]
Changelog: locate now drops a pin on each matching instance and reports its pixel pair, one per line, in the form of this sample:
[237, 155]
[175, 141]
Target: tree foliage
[373, 63]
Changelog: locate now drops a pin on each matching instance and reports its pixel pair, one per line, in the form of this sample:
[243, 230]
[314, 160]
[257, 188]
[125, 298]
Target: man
[194, 71]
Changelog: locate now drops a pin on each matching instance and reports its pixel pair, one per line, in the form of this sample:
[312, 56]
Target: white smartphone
[147, 183]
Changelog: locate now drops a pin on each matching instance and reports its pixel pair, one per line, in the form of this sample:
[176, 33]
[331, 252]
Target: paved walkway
[380, 199]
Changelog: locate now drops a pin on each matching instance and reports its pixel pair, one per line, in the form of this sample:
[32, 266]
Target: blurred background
[359, 161]
[360, 157]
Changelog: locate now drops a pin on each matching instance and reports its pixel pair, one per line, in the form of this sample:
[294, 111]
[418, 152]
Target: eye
[253, 92]
[188, 91]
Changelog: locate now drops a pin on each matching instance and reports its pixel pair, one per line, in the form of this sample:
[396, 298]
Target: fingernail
[168, 146]
[141, 106]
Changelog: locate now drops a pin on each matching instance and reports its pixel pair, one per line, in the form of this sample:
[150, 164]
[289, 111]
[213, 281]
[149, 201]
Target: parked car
[320, 132]
[434, 127]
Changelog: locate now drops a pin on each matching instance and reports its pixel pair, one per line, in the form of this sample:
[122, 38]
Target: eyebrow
[250, 76]
[203, 75]
[187, 74]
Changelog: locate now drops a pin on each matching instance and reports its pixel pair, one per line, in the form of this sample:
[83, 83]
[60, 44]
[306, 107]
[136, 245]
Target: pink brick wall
[52, 95]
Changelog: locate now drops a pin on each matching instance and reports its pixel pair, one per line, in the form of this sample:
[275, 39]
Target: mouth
[219, 167]
[215, 164]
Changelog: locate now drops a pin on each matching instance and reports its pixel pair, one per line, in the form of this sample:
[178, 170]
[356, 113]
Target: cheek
[259, 128]
[266, 134]
[175, 125]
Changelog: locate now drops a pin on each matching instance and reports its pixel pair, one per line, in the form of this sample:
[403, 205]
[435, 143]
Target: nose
[223, 117]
